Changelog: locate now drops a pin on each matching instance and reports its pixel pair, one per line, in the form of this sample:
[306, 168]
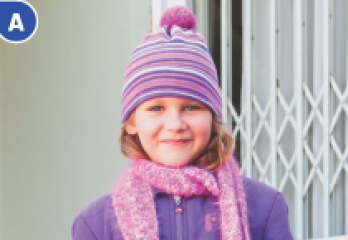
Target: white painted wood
[326, 114]
[201, 11]
[298, 80]
[246, 88]
[226, 55]
[346, 129]
[273, 93]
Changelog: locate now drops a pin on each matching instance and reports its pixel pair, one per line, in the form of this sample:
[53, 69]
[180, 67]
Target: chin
[174, 163]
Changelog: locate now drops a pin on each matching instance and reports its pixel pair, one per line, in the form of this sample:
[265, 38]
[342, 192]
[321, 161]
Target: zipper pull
[178, 208]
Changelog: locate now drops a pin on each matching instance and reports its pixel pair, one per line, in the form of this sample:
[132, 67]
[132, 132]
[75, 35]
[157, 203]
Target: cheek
[147, 128]
[202, 128]
[206, 132]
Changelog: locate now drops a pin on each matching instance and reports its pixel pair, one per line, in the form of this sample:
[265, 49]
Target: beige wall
[60, 119]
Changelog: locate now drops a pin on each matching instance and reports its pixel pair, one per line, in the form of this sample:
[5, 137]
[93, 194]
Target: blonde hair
[219, 147]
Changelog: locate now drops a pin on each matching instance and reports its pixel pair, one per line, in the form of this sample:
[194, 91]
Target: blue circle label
[18, 21]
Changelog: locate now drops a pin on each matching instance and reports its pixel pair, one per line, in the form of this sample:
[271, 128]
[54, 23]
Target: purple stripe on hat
[144, 98]
[166, 69]
[160, 53]
[195, 66]
[137, 84]
[169, 83]
[170, 62]
[181, 89]
[173, 82]
[166, 46]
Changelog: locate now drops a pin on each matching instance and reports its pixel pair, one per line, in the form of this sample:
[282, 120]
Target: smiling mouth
[179, 142]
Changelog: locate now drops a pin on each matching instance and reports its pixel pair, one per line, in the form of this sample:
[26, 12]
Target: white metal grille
[293, 122]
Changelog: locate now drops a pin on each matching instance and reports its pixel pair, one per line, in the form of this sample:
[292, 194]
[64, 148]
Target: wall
[1, 196]
[61, 112]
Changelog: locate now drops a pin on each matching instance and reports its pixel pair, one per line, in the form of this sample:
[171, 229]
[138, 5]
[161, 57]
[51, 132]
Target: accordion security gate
[293, 123]
[293, 119]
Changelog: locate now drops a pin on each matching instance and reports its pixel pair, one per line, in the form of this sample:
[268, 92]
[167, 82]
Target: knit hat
[172, 61]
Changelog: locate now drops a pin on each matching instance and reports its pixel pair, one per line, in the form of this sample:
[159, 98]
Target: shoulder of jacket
[97, 220]
[260, 197]
[261, 201]
[255, 189]
[100, 207]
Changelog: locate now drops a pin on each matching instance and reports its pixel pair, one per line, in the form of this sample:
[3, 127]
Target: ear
[131, 129]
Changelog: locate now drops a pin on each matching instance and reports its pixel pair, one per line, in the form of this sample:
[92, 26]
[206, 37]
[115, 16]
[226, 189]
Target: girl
[183, 182]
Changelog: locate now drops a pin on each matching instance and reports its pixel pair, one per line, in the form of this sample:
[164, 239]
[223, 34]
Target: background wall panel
[61, 112]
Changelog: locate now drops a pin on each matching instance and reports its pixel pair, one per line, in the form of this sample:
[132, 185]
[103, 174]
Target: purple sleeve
[277, 226]
[81, 231]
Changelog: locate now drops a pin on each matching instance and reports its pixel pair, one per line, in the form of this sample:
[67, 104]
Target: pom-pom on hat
[180, 16]
[172, 61]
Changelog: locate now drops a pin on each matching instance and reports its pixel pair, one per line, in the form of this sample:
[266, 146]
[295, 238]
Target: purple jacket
[267, 212]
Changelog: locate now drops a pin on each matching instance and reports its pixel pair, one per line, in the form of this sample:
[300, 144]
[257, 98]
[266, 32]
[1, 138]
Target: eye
[156, 108]
[191, 107]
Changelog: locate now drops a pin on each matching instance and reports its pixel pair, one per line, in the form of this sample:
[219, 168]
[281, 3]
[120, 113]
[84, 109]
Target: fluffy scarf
[133, 198]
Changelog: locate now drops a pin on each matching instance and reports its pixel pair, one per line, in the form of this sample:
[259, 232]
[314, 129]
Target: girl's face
[173, 131]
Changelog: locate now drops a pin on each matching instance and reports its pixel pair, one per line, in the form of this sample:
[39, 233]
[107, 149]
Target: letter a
[16, 18]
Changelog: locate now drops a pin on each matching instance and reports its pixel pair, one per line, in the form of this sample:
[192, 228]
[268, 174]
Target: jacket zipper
[178, 218]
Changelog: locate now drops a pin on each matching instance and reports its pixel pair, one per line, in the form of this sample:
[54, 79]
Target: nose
[175, 121]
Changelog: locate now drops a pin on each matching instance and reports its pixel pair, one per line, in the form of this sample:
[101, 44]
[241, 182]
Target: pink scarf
[133, 198]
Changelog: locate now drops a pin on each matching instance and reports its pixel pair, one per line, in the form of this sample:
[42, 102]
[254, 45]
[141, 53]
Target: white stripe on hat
[174, 69]
[166, 45]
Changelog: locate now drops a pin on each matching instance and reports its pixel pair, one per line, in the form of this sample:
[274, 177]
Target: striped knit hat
[172, 61]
